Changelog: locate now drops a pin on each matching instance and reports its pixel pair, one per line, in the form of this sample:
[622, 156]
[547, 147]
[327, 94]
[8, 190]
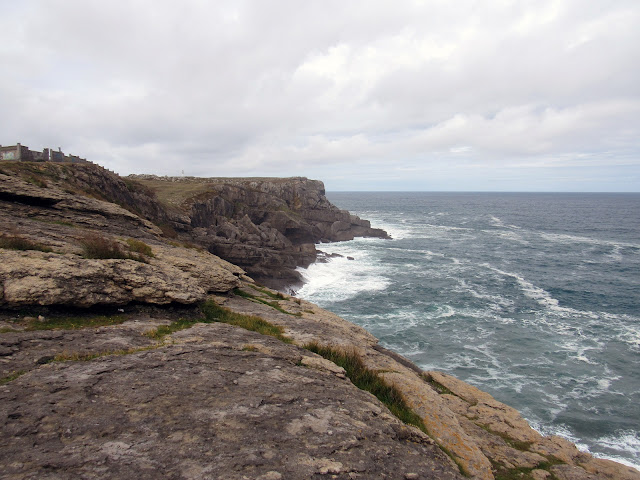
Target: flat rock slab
[219, 402]
[26, 350]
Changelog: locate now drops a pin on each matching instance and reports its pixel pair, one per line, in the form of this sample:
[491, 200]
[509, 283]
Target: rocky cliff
[267, 226]
[125, 353]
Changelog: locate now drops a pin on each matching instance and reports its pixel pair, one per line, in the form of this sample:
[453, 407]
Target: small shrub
[37, 181]
[139, 246]
[16, 242]
[167, 230]
[99, 247]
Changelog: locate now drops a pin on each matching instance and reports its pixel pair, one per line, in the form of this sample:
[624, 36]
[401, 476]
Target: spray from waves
[541, 296]
[625, 441]
[343, 277]
[573, 239]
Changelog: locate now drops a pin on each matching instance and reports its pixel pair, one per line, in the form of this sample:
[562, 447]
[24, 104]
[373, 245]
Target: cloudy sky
[521, 95]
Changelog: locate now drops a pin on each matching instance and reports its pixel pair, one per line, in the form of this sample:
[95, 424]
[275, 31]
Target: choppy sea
[532, 297]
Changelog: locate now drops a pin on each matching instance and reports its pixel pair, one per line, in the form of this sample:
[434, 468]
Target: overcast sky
[365, 95]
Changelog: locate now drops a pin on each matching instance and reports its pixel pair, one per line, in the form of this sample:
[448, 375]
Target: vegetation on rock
[368, 380]
[17, 242]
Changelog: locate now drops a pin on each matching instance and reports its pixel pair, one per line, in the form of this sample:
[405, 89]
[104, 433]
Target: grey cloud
[375, 90]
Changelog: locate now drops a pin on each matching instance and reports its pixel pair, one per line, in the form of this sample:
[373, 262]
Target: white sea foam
[538, 294]
[571, 239]
[340, 278]
[544, 298]
[627, 442]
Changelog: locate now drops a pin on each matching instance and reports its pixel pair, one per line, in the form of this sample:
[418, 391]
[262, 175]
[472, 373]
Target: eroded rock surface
[219, 403]
[52, 216]
[484, 436]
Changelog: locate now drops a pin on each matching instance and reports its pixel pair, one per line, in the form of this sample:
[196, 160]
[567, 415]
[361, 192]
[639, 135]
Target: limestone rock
[204, 410]
[38, 278]
[487, 411]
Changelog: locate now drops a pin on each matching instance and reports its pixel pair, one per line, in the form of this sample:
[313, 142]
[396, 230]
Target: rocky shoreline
[128, 349]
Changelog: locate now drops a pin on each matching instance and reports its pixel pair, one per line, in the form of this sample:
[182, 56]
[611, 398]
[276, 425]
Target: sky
[434, 95]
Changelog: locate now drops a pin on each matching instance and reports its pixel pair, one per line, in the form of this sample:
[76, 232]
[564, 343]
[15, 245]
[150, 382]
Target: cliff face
[62, 244]
[161, 386]
[266, 226]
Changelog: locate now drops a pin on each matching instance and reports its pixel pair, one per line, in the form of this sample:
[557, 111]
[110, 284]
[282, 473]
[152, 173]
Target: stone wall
[21, 153]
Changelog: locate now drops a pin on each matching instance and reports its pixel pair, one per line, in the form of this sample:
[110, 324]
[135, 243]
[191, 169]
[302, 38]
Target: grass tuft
[215, 313]
[74, 323]
[241, 293]
[139, 246]
[85, 357]
[16, 242]
[212, 313]
[438, 387]
[276, 296]
[97, 247]
[366, 379]
[12, 376]
[180, 324]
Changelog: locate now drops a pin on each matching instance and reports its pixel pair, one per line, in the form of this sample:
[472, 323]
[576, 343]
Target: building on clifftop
[21, 153]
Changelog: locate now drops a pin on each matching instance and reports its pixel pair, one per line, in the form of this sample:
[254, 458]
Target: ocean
[531, 297]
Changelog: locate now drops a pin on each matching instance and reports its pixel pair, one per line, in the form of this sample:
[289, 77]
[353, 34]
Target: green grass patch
[241, 293]
[522, 473]
[276, 295]
[97, 247]
[37, 181]
[215, 313]
[368, 380]
[54, 222]
[16, 242]
[438, 387]
[517, 444]
[8, 330]
[85, 357]
[12, 376]
[139, 246]
[180, 324]
[74, 323]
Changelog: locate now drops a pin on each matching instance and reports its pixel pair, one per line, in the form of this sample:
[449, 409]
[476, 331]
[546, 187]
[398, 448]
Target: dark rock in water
[324, 257]
[350, 258]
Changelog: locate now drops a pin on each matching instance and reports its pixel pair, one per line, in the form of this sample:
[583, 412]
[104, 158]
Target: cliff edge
[267, 226]
[128, 349]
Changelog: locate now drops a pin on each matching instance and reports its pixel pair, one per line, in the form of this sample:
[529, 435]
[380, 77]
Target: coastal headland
[139, 338]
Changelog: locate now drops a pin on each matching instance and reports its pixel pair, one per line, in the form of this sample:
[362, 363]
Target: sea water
[532, 297]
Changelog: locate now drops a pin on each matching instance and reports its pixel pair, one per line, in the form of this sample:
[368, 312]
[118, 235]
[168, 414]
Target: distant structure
[21, 153]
